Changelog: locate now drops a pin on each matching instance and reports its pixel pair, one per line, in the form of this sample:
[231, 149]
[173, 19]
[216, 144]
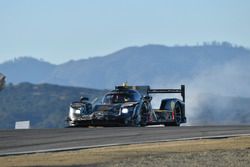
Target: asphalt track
[14, 142]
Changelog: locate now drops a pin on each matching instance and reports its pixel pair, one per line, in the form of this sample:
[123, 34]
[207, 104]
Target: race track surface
[43, 140]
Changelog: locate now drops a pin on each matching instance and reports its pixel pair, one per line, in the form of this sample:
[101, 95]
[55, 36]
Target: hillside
[150, 64]
[45, 105]
[26, 69]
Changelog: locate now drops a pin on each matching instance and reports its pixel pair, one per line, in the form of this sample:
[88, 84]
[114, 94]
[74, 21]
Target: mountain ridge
[145, 65]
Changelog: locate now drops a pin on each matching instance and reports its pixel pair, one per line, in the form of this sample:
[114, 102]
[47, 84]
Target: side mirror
[147, 98]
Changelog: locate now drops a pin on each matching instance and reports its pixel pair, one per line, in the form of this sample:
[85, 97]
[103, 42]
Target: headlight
[73, 113]
[124, 110]
[78, 111]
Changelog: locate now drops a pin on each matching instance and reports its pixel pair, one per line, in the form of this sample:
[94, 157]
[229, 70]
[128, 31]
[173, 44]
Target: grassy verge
[219, 152]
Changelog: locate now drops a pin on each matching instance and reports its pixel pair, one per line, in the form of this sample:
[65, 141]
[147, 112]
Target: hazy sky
[60, 30]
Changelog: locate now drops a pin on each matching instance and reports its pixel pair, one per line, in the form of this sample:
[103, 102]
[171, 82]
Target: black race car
[129, 106]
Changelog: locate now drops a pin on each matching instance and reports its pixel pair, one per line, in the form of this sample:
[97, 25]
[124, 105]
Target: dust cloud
[220, 95]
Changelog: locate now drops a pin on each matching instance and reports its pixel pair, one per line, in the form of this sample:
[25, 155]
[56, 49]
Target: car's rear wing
[181, 91]
[144, 90]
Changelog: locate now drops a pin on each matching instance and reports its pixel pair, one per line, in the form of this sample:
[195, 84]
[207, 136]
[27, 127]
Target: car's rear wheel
[177, 114]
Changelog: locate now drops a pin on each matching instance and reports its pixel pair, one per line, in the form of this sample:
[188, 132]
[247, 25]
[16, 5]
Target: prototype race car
[129, 106]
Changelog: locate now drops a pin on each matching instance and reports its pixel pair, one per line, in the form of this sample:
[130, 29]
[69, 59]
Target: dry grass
[222, 152]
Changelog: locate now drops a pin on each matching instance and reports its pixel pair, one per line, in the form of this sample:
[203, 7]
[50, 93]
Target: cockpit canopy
[121, 97]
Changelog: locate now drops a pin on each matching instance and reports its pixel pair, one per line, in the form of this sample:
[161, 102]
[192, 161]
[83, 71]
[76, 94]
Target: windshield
[121, 98]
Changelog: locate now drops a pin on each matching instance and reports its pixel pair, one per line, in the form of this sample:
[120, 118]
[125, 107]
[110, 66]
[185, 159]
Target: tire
[177, 115]
[144, 114]
[127, 122]
[137, 121]
[132, 121]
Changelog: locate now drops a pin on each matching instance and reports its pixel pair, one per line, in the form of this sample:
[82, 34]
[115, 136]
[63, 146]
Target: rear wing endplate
[181, 91]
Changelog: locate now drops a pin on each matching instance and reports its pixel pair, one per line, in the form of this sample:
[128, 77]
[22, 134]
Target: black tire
[127, 122]
[137, 120]
[134, 121]
[144, 114]
[177, 115]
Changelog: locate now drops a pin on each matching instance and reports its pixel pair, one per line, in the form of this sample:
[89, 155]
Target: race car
[129, 106]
